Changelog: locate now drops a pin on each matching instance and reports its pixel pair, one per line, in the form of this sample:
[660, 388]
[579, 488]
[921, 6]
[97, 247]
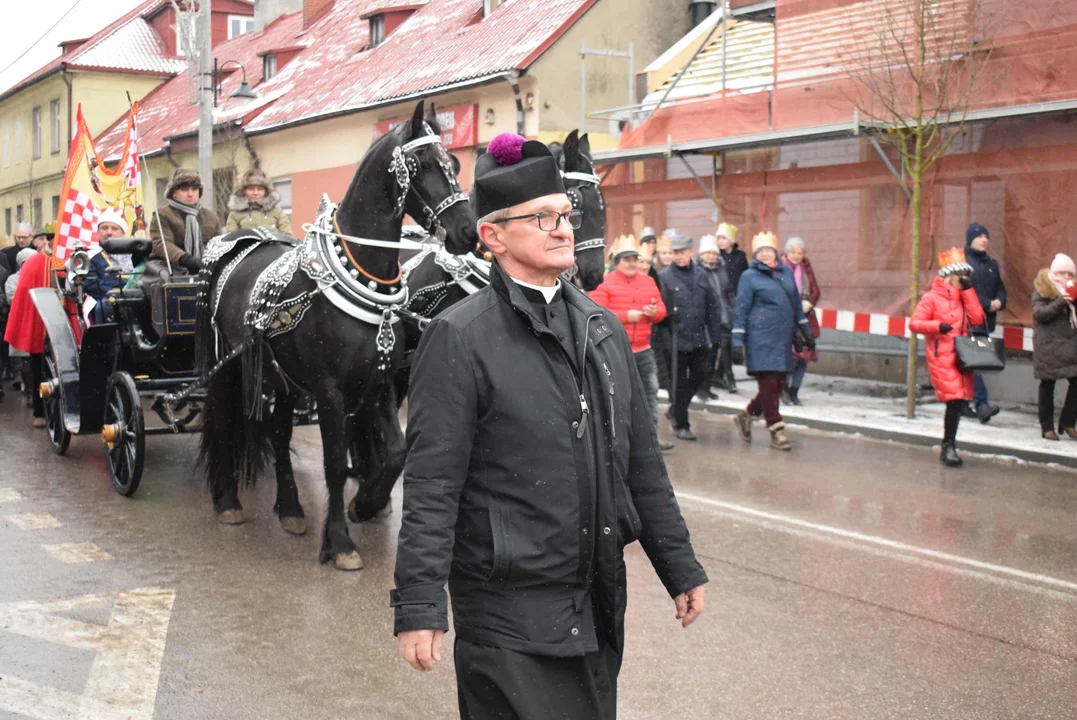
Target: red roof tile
[442, 44]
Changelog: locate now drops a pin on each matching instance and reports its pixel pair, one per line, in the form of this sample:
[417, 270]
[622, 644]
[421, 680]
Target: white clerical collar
[549, 292]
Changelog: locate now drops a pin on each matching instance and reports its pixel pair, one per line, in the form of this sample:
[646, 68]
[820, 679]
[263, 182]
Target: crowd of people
[717, 306]
[688, 311]
[175, 229]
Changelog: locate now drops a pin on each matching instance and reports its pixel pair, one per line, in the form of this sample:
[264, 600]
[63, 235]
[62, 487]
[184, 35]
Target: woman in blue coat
[769, 320]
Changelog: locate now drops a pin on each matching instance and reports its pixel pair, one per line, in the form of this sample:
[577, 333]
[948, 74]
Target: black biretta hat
[513, 171]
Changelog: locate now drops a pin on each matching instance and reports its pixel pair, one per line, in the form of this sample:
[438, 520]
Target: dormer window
[488, 6]
[377, 30]
[269, 66]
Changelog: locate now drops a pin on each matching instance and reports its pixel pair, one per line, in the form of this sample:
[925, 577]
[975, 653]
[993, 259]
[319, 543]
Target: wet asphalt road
[850, 578]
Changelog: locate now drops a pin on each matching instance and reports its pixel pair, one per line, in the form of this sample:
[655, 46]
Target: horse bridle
[576, 196]
[405, 168]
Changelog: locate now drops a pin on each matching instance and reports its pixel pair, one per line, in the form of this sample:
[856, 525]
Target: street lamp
[243, 91]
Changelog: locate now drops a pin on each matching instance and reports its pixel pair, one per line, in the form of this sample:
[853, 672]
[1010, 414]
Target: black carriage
[98, 385]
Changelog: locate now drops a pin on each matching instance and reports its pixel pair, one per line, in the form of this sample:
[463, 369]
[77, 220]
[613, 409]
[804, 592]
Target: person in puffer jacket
[945, 312]
[636, 301]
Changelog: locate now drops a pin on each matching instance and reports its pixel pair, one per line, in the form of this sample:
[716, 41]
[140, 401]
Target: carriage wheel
[124, 433]
[54, 402]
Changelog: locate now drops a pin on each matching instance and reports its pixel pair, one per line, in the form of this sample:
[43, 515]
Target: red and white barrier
[1014, 338]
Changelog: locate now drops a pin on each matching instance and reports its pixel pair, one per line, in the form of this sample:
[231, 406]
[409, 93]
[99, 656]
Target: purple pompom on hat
[507, 148]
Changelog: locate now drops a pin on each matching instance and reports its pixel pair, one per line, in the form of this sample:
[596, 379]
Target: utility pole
[205, 103]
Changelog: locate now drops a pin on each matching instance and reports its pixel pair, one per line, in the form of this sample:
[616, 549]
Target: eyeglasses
[549, 220]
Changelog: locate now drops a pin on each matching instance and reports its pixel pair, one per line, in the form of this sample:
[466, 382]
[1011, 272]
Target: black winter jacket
[693, 304]
[736, 261]
[722, 284]
[987, 281]
[525, 479]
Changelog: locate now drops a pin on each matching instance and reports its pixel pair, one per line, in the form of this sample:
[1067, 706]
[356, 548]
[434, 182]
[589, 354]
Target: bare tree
[918, 65]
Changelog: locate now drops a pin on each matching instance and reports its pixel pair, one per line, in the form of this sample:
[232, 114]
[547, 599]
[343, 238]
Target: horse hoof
[294, 525]
[231, 517]
[348, 561]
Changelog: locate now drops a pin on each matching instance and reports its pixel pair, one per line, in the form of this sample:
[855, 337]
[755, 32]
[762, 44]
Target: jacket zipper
[613, 419]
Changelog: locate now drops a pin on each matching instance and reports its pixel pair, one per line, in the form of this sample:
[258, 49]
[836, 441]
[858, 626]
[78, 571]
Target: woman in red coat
[944, 313]
[25, 331]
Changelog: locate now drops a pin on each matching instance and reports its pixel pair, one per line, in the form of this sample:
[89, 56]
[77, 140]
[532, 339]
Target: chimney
[266, 11]
[701, 10]
[69, 46]
[314, 9]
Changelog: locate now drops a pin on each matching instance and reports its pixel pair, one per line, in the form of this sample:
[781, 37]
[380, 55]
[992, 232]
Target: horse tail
[234, 448]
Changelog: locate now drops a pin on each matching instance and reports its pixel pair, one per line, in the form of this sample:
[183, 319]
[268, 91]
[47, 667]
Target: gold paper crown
[764, 239]
[953, 260]
[624, 244]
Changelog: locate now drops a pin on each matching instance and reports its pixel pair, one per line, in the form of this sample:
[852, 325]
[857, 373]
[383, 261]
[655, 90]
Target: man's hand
[634, 316]
[422, 648]
[689, 605]
[996, 305]
[650, 310]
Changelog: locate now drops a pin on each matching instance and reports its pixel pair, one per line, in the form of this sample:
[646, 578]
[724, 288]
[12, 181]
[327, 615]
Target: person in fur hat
[181, 228]
[1054, 347]
[254, 203]
[946, 312]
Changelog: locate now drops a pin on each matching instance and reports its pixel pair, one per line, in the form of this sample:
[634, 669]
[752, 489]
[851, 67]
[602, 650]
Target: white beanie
[708, 243]
[1063, 263]
[24, 255]
[793, 242]
[112, 215]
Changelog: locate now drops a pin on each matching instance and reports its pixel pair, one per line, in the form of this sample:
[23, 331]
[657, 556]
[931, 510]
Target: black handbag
[980, 353]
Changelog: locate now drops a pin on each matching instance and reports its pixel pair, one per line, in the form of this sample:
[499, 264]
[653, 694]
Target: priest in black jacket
[532, 461]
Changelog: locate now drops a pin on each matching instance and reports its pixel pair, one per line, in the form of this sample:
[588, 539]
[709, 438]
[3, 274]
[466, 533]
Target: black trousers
[952, 419]
[710, 363]
[1047, 406]
[37, 362]
[691, 372]
[496, 684]
[660, 343]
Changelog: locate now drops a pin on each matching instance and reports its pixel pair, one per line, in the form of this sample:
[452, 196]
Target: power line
[43, 35]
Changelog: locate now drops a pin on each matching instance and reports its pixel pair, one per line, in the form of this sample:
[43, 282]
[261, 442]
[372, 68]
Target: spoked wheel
[124, 433]
[52, 393]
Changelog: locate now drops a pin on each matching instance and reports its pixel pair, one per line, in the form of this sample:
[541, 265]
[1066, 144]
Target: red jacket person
[532, 461]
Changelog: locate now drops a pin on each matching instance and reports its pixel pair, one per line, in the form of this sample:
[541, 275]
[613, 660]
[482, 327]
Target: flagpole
[205, 108]
[149, 179]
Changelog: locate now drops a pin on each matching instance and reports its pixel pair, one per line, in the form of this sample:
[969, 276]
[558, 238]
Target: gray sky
[26, 23]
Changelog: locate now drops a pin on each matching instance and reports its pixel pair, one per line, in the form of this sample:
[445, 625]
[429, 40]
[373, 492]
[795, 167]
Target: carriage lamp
[243, 91]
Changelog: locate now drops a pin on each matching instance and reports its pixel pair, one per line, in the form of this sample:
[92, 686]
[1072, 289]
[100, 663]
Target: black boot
[949, 456]
[794, 395]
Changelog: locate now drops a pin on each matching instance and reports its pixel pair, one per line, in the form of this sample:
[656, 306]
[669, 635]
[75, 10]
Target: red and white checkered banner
[78, 220]
[1014, 338]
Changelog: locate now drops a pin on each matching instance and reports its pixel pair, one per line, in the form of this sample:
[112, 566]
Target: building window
[35, 129]
[17, 140]
[239, 25]
[377, 30]
[54, 125]
[55, 206]
[284, 189]
[38, 218]
[18, 214]
[269, 66]
[7, 221]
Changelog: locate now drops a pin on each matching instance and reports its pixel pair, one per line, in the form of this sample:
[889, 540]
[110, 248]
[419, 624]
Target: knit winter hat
[764, 240]
[24, 255]
[1063, 263]
[708, 243]
[793, 242]
[975, 230]
[184, 177]
[114, 216]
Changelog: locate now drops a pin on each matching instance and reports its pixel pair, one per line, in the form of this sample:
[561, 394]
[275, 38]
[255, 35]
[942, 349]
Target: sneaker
[987, 413]
[665, 446]
[686, 434]
[744, 425]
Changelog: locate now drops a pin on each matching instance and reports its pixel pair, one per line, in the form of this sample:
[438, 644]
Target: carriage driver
[532, 461]
[182, 227]
[98, 281]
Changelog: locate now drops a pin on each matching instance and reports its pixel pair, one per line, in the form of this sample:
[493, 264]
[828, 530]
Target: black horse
[342, 355]
[585, 191]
